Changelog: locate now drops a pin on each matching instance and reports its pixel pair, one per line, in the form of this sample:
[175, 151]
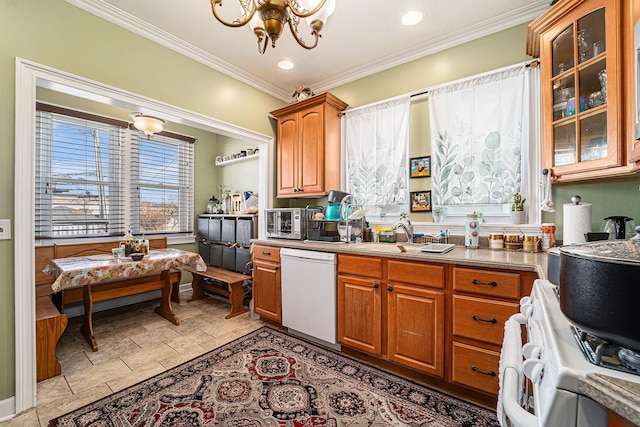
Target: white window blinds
[96, 176]
[78, 174]
[161, 186]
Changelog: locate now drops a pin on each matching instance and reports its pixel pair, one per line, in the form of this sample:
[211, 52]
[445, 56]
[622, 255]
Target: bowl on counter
[137, 257]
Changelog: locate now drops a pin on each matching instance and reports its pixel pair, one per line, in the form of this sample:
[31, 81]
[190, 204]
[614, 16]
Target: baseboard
[7, 408]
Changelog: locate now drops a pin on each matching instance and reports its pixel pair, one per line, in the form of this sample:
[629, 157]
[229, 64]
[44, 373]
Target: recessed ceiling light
[285, 64]
[412, 17]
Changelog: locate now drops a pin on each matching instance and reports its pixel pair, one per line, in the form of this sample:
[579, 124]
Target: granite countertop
[617, 395]
[483, 257]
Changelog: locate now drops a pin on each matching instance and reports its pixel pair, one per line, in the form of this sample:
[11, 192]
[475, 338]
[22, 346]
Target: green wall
[62, 36]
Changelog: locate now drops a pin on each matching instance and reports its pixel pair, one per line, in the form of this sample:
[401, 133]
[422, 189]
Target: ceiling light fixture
[267, 18]
[147, 124]
[285, 64]
[412, 17]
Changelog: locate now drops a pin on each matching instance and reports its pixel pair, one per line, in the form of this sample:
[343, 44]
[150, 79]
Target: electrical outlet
[5, 229]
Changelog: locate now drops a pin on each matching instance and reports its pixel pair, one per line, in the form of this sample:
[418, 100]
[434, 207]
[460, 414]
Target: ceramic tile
[134, 344]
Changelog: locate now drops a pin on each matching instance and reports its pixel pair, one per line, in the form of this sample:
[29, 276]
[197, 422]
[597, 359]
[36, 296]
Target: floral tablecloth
[87, 270]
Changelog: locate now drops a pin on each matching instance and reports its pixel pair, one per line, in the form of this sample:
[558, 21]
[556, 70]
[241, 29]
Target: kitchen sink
[388, 247]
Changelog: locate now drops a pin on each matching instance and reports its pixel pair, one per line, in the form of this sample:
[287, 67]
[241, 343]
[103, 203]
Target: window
[96, 177]
[483, 135]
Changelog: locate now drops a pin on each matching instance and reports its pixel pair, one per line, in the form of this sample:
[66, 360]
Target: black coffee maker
[619, 227]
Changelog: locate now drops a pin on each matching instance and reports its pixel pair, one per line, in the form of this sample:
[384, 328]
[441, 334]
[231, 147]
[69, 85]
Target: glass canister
[472, 231]
[496, 241]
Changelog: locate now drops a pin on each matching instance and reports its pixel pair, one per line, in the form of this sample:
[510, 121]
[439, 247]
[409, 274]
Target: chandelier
[267, 18]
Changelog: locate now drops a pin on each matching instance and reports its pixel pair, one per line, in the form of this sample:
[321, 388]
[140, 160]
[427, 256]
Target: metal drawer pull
[477, 282]
[266, 253]
[489, 374]
[474, 317]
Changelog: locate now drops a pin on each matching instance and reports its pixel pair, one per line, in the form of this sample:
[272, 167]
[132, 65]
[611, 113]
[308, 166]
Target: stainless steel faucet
[407, 227]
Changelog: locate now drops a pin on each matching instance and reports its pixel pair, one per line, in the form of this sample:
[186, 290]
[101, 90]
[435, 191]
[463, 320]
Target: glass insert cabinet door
[579, 86]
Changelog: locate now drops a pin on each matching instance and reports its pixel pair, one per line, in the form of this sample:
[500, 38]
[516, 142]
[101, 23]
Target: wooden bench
[226, 278]
[50, 326]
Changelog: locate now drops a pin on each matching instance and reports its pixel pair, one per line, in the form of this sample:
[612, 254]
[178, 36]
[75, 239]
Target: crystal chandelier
[267, 18]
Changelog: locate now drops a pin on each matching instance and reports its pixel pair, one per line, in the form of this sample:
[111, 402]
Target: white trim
[7, 409]
[108, 12]
[30, 75]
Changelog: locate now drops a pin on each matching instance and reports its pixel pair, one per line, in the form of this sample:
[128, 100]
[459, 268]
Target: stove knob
[533, 370]
[531, 351]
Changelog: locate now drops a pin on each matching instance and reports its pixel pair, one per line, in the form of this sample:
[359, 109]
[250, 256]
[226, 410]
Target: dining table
[108, 276]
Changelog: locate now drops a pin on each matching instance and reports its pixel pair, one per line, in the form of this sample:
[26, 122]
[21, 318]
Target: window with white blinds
[161, 184]
[97, 177]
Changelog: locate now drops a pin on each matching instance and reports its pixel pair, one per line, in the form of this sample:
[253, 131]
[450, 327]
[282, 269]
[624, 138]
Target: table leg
[87, 327]
[164, 309]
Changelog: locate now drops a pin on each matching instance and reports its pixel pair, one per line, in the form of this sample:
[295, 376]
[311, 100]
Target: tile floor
[134, 344]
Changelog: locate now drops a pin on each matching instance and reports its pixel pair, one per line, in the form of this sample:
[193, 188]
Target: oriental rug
[270, 379]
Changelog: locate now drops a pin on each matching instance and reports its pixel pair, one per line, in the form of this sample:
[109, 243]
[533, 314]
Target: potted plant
[439, 213]
[518, 214]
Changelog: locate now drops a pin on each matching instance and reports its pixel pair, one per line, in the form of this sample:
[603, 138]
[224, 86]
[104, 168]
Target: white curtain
[376, 151]
[480, 135]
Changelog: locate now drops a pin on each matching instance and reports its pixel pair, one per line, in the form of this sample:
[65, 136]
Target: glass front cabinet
[581, 44]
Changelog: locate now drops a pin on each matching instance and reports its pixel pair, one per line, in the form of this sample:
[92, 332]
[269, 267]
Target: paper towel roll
[576, 222]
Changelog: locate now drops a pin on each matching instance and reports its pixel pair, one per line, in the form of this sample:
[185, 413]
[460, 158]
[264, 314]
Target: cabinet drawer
[490, 283]
[416, 273]
[481, 319]
[360, 265]
[475, 367]
[267, 253]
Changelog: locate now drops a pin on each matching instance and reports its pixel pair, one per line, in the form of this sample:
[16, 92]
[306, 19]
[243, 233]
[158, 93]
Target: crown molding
[106, 11]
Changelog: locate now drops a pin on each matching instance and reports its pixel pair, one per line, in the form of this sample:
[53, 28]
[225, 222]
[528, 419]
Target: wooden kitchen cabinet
[267, 295]
[393, 310]
[481, 302]
[308, 149]
[584, 129]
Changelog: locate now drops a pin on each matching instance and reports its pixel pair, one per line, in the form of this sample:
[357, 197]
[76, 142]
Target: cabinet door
[581, 100]
[288, 155]
[359, 314]
[311, 151]
[267, 297]
[416, 327]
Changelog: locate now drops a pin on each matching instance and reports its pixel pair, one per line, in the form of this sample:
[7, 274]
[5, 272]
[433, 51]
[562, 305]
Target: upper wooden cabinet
[308, 162]
[582, 50]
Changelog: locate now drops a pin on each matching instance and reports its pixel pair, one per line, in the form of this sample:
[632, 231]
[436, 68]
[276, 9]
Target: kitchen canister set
[524, 242]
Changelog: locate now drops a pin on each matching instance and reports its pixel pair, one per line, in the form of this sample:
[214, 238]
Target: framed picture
[420, 167]
[421, 201]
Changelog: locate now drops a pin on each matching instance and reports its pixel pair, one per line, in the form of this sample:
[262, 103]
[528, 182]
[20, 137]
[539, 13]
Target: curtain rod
[527, 64]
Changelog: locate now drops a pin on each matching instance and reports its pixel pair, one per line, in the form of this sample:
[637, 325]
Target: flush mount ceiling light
[285, 64]
[412, 17]
[267, 18]
[147, 124]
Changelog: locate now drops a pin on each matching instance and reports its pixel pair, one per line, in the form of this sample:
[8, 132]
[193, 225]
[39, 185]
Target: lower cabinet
[267, 295]
[481, 302]
[393, 310]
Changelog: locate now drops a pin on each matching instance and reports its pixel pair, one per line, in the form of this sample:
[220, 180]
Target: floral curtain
[479, 135]
[377, 144]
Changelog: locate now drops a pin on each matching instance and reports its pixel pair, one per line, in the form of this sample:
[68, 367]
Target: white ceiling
[361, 38]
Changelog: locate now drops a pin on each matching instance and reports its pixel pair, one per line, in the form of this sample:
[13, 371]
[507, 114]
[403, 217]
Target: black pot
[600, 290]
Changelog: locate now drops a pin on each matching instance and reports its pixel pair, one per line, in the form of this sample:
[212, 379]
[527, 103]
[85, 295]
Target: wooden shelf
[239, 159]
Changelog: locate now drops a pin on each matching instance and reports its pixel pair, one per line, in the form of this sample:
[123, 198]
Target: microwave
[286, 223]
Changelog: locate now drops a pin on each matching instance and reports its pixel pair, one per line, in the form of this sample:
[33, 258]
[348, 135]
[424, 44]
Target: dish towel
[511, 358]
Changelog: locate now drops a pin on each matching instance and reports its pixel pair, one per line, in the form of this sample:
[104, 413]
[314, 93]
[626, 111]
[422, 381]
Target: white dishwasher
[309, 293]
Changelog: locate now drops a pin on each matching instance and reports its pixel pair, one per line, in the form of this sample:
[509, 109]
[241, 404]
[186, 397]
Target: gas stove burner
[630, 359]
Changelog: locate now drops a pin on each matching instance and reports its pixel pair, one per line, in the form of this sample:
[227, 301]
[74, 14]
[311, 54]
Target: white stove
[539, 380]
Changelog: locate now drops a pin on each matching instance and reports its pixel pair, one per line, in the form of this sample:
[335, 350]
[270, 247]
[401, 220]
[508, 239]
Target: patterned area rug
[270, 379]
